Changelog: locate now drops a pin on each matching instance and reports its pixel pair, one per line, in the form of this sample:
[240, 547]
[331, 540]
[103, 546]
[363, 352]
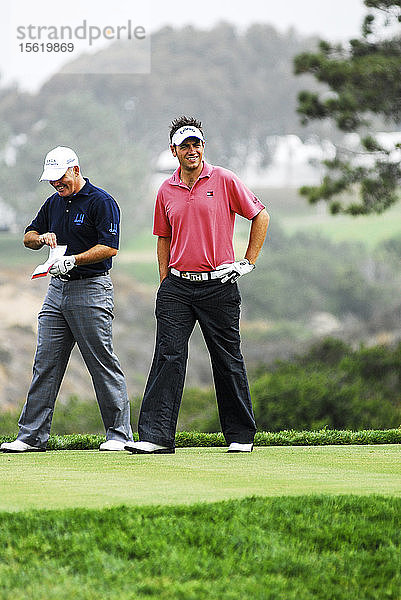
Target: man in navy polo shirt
[78, 307]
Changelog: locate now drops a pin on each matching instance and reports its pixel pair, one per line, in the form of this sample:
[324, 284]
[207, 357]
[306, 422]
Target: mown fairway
[93, 479]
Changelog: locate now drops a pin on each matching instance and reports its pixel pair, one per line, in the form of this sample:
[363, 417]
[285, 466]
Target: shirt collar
[84, 191]
[206, 172]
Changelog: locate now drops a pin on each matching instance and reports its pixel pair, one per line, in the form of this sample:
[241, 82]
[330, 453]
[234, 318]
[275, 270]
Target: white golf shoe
[18, 446]
[236, 447]
[112, 446]
[147, 448]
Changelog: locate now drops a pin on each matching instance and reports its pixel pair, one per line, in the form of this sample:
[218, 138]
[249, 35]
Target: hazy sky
[330, 19]
[339, 19]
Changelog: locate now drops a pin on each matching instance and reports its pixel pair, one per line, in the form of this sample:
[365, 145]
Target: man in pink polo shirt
[194, 221]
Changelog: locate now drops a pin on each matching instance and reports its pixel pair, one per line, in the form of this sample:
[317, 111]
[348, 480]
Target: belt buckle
[191, 276]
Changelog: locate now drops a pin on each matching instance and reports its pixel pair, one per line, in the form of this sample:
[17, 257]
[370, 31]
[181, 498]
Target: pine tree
[363, 79]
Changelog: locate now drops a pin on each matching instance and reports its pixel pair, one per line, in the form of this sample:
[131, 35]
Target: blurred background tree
[362, 91]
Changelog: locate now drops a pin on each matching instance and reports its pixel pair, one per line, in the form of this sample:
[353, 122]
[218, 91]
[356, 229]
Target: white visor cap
[186, 132]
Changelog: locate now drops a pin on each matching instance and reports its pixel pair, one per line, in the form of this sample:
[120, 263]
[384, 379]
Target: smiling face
[189, 154]
[69, 184]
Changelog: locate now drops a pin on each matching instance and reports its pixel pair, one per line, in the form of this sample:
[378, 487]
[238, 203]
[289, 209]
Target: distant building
[389, 140]
[293, 162]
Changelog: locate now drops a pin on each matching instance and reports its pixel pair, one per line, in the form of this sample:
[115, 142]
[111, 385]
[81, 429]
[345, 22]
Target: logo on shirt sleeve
[210, 193]
[113, 228]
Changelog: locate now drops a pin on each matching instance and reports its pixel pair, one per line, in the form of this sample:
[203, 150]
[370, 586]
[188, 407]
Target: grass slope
[92, 479]
[295, 215]
[369, 230]
[303, 548]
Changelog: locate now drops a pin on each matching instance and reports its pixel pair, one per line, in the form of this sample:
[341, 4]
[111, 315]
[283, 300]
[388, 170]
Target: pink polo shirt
[200, 221]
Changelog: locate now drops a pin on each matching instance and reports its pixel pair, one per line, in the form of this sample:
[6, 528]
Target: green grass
[295, 214]
[13, 252]
[144, 272]
[140, 242]
[368, 230]
[289, 522]
[190, 439]
[92, 479]
[300, 548]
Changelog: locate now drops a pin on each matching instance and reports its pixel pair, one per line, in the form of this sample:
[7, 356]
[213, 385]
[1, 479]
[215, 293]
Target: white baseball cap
[57, 162]
[185, 132]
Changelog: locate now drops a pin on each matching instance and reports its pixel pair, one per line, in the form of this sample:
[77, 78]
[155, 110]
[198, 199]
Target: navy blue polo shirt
[81, 221]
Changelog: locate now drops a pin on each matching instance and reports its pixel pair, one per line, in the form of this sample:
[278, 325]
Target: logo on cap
[184, 129]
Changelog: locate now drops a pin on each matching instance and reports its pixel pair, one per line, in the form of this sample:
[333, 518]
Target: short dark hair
[179, 122]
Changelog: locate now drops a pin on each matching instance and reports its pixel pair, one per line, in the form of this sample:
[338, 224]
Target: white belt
[196, 275]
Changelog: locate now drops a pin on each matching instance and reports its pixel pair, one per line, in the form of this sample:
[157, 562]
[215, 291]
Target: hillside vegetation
[332, 386]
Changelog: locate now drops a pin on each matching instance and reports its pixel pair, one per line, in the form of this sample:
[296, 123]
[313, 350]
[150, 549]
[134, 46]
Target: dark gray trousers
[76, 312]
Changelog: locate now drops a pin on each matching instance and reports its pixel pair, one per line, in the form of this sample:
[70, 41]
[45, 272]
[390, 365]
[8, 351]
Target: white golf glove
[62, 265]
[232, 271]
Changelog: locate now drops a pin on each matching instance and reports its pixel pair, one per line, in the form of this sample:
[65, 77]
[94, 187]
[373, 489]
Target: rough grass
[300, 548]
[191, 439]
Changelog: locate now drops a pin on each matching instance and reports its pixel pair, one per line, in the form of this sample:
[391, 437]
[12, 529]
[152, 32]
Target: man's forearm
[35, 240]
[257, 235]
[94, 255]
[163, 256]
